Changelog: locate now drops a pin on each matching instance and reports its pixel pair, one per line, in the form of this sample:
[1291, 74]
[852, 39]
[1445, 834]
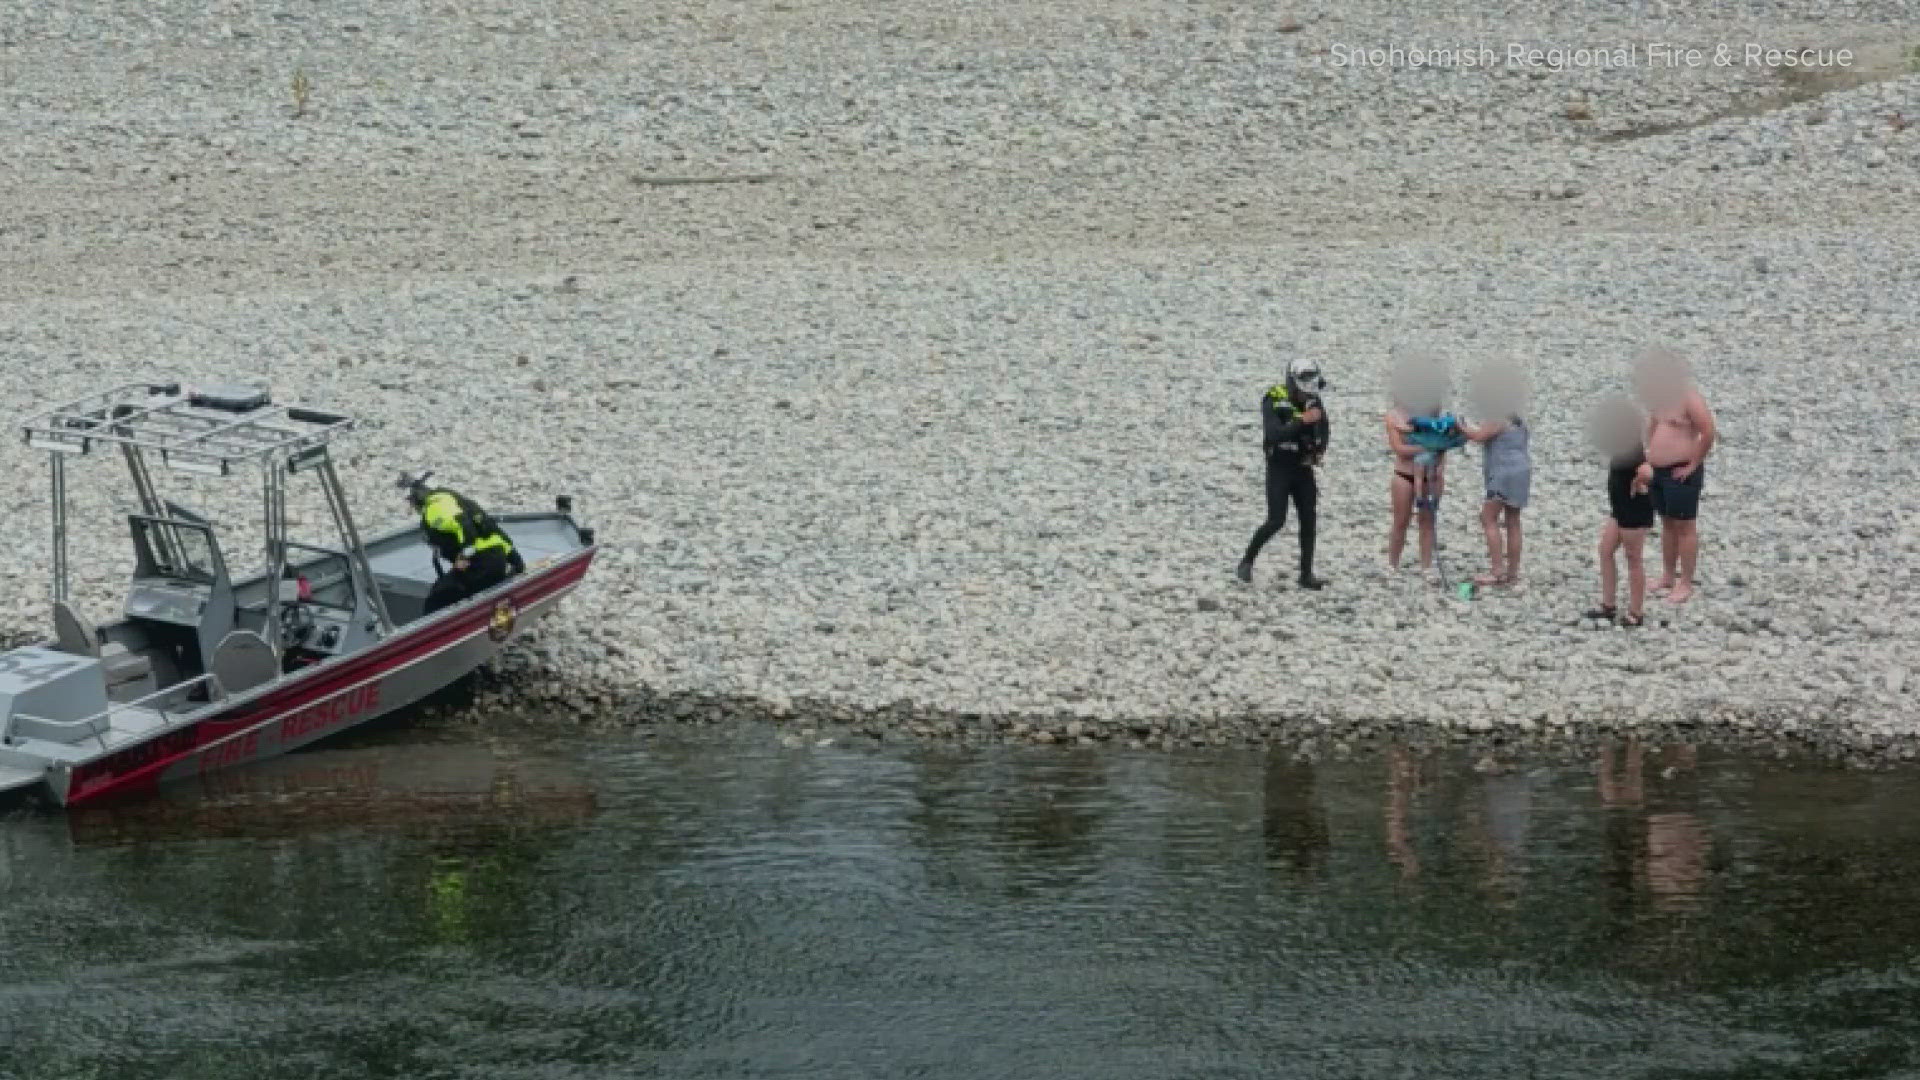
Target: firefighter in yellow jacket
[463, 535]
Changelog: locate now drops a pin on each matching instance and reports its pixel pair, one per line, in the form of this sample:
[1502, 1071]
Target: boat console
[315, 633]
[322, 612]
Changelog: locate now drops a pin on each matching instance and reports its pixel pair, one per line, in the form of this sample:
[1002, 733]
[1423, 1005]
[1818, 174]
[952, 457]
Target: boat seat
[72, 633]
[122, 665]
[75, 635]
[243, 660]
[128, 673]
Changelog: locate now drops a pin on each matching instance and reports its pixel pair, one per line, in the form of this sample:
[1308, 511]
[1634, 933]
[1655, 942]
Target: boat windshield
[196, 549]
[190, 556]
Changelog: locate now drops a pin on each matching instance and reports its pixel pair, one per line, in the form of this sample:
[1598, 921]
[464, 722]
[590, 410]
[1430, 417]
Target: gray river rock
[906, 357]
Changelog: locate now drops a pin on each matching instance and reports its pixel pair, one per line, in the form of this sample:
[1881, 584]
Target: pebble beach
[906, 357]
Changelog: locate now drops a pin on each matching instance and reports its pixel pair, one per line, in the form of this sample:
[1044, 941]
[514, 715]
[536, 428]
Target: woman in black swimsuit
[1401, 489]
[1419, 386]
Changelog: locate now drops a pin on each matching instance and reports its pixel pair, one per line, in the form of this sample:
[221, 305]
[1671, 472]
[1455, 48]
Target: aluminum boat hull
[419, 659]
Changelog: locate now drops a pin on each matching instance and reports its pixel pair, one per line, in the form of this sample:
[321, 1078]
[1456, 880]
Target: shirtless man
[1680, 432]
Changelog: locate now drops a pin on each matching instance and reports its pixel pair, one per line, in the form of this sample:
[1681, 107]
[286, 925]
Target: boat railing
[209, 431]
[101, 722]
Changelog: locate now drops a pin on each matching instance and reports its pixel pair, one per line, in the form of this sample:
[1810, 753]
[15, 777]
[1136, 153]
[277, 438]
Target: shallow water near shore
[429, 902]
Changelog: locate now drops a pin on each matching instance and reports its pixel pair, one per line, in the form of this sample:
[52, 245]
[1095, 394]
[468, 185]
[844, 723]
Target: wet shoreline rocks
[513, 699]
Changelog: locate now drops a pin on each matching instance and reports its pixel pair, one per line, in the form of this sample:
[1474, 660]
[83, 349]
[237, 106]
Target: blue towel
[1437, 433]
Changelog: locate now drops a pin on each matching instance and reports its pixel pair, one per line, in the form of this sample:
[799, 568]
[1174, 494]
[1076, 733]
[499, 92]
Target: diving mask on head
[415, 487]
[1304, 378]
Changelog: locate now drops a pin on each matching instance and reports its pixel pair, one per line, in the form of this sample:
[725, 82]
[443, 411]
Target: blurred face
[1419, 384]
[1660, 378]
[1613, 427]
[1499, 389]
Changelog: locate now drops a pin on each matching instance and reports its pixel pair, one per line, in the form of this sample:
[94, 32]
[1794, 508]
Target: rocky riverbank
[935, 409]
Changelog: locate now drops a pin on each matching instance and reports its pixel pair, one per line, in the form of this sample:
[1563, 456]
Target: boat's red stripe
[396, 653]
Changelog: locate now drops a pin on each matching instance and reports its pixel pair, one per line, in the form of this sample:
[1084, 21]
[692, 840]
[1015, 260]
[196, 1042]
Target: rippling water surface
[683, 906]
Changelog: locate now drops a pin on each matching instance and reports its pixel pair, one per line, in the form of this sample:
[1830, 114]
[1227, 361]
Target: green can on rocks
[1465, 590]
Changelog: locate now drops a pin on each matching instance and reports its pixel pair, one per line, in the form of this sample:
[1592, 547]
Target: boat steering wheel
[296, 623]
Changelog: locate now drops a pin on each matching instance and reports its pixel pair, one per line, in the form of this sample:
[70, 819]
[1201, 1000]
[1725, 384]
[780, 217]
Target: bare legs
[1513, 545]
[1679, 552]
[1609, 573]
[1503, 543]
[1403, 515]
[1632, 543]
[1401, 491]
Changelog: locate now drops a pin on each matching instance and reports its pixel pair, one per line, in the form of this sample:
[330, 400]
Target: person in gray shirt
[1506, 466]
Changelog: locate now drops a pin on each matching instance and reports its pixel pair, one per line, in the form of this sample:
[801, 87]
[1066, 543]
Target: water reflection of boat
[398, 788]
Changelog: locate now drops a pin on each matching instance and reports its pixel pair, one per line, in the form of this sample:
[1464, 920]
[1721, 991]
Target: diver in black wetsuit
[1294, 422]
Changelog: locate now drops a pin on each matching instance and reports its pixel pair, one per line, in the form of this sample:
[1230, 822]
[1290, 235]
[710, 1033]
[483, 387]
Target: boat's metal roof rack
[208, 430]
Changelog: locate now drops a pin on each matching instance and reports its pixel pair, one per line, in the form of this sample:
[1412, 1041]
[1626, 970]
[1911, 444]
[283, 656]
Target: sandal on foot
[1605, 613]
[1632, 621]
[1487, 581]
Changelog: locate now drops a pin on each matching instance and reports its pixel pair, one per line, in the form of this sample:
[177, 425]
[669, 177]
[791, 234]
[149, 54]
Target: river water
[433, 904]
